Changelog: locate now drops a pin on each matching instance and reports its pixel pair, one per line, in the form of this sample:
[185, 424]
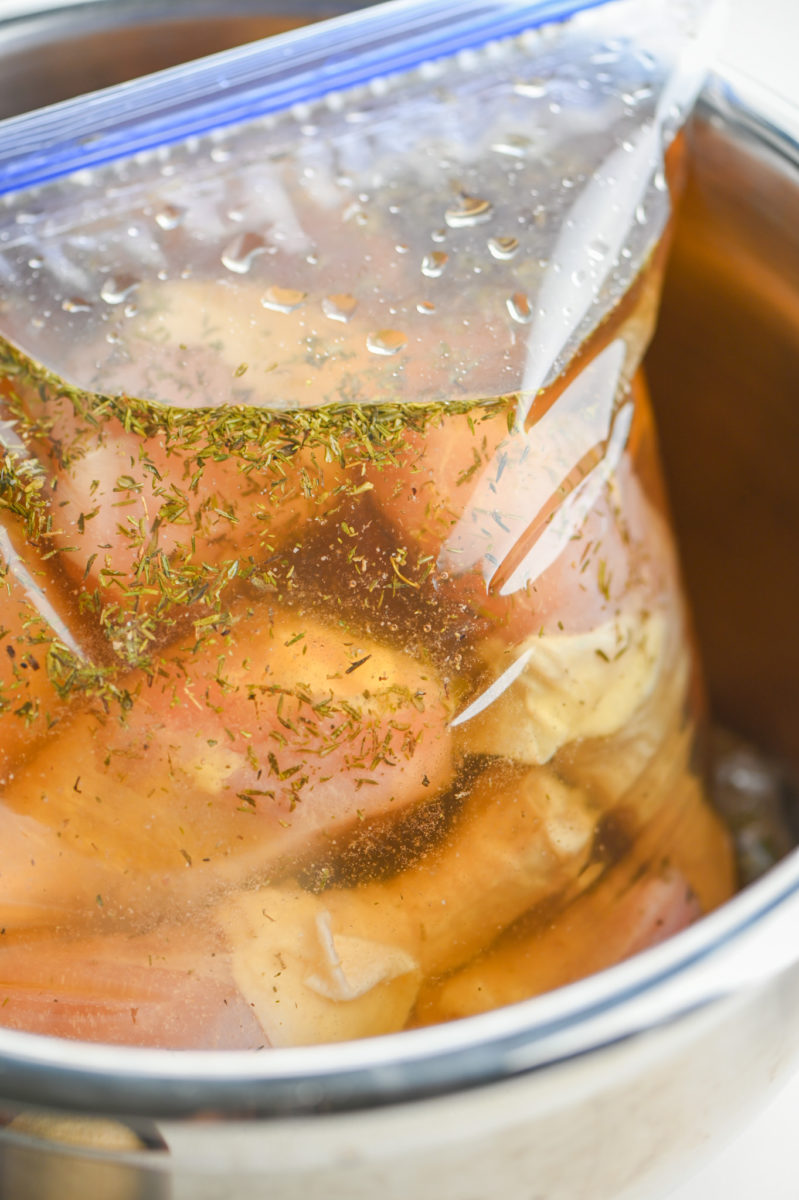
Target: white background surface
[763, 39]
[763, 1163]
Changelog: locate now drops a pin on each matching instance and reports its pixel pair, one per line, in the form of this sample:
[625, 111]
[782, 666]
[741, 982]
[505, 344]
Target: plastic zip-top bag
[346, 683]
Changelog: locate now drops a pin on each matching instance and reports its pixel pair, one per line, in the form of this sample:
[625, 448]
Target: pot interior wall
[55, 54]
[724, 372]
[78, 63]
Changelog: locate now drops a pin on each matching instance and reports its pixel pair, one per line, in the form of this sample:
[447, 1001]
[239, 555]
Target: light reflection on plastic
[34, 593]
[529, 468]
[602, 214]
[574, 510]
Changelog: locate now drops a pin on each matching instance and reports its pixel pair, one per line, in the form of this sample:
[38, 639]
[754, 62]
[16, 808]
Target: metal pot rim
[726, 952]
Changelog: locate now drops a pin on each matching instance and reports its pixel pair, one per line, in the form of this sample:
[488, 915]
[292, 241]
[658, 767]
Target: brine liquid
[324, 723]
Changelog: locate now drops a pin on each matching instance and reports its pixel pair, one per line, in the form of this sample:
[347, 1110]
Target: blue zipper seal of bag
[254, 80]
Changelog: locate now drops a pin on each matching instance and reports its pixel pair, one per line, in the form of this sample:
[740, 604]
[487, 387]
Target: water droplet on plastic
[469, 210]
[519, 308]
[515, 145]
[312, 258]
[533, 89]
[76, 304]
[604, 56]
[503, 248]
[239, 255]
[433, 264]
[660, 181]
[579, 278]
[282, 299]
[438, 235]
[598, 249]
[425, 307]
[35, 263]
[118, 288]
[170, 216]
[386, 341]
[640, 215]
[340, 306]
[637, 96]
[354, 212]
[567, 182]
[402, 247]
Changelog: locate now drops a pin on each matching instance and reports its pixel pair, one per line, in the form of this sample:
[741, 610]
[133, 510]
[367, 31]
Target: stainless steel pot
[612, 1088]
[56, 50]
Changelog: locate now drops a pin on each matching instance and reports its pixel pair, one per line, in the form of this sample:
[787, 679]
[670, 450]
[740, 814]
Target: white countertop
[762, 38]
[761, 1164]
